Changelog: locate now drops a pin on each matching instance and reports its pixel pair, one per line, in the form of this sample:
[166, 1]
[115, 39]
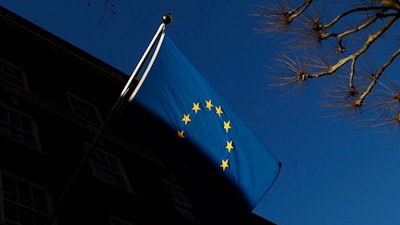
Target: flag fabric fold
[180, 96]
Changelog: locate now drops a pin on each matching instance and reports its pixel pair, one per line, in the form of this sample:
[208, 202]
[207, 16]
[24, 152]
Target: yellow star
[229, 146]
[218, 110]
[209, 105]
[180, 134]
[196, 107]
[227, 126]
[186, 118]
[224, 164]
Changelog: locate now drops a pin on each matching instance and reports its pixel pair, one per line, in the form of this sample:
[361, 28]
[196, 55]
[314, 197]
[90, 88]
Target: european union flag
[180, 96]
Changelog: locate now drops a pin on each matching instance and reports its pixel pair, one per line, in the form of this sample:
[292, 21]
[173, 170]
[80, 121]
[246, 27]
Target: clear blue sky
[333, 173]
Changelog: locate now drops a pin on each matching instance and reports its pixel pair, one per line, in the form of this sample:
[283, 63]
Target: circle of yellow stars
[186, 119]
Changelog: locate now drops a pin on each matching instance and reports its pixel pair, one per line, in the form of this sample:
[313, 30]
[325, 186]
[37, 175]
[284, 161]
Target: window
[118, 221]
[186, 212]
[108, 168]
[12, 74]
[182, 203]
[18, 127]
[22, 203]
[84, 109]
[177, 195]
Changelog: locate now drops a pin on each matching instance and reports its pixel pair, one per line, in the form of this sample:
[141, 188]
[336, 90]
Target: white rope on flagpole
[148, 67]
[145, 55]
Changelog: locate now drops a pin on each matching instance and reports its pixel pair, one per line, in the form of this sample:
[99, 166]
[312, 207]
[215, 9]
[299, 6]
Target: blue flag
[180, 96]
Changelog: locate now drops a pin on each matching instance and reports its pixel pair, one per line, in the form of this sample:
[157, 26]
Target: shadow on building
[54, 99]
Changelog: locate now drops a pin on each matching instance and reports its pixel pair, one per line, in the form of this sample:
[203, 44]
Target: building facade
[54, 101]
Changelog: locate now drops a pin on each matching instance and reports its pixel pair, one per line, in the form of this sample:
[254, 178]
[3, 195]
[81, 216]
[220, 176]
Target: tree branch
[353, 57]
[376, 77]
[340, 16]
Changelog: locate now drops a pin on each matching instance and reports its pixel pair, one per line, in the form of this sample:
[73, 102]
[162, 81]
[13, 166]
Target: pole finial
[167, 18]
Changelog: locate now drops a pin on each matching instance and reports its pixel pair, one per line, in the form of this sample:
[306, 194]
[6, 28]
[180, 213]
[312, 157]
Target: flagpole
[166, 20]
[159, 35]
[146, 72]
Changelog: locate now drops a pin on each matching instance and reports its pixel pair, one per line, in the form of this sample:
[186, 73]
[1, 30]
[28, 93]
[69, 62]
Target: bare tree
[354, 43]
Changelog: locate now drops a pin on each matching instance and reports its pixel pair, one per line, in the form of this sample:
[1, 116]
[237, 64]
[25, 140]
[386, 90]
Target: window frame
[18, 82]
[115, 220]
[108, 170]
[182, 203]
[16, 204]
[94, 117]
[18, 130]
